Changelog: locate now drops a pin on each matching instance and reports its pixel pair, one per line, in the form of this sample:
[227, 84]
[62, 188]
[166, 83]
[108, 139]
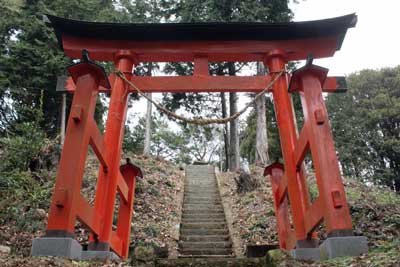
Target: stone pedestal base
[67, 248]
[334, 247]
[306, 254]
[56, 246]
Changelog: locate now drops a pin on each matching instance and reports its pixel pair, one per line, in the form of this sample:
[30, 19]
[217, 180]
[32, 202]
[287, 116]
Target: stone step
[191, 201]
[204, 231]
[214, 261]
[200, 177]
[204, 225]
[202, 198]
[211, 251]
[204, 238]
[196, 196]
[200, 220]
[200, 191]
[202, 206]
[203, 168]
[203, 216]
[203, 211]
[198, 188]
[192, 208]
[207, 176]
[204, 203]
[203, 178]
[210, 182]
[208, 245]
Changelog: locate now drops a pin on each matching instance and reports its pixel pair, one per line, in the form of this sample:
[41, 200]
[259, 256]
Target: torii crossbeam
[129, 44]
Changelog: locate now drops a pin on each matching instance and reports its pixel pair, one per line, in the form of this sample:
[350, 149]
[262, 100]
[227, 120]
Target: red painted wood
[298, 191]
[201, 84]
[66, 196]
[275, 171]
[107, 182]
[330, 185]
[314, 215]
[216, 51]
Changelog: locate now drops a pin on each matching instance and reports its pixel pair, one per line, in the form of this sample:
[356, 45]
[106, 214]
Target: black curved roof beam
[236, 41]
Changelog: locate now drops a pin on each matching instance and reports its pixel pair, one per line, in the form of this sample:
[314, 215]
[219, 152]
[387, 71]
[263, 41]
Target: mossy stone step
[204, 225]
[205, 220]
[216, 244]
[201, 206]
[213, 262]
[202, 216]
[204, 231]
[203, 211]
[205, 251]
[204, 238]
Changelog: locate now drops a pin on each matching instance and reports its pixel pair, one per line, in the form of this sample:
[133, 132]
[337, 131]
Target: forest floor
[23, 215]
[375, 212]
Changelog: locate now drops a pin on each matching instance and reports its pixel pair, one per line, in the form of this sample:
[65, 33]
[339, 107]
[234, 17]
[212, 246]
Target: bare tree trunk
[261, 157]
[234, 129]
[63, 116]
[226, 132]
[147, 138]
[234, 163]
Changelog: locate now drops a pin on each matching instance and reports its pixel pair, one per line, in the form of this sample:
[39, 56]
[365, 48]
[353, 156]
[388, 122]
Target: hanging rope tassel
[200, 121]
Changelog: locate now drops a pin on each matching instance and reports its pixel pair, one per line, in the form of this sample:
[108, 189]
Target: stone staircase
[204, 232]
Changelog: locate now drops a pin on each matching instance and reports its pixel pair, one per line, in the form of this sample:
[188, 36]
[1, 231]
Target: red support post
[297, 189]
[66, 200]
[286, 235]
[331, 205]
[108, 181]
[129, 173]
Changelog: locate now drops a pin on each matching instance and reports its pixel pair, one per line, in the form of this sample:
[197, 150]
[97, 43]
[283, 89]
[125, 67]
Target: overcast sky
[373, 43]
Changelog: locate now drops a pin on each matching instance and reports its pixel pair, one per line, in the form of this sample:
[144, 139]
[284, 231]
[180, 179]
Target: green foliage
[31, 59]
[152, 231]
[20, 149]
[184, 144]
[366, 126]
[248, 141]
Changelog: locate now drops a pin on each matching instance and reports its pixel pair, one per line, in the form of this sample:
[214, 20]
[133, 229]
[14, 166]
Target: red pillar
[114, 132]
[123, 232]
[332, 204]
[66, 200]
[296, 186]
[285, 233]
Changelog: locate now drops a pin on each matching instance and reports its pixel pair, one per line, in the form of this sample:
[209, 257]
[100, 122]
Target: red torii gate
[129, 44]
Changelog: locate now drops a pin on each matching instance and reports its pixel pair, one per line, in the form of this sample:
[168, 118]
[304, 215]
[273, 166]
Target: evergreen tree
[31, 59]
[225, 11]
[366, 126]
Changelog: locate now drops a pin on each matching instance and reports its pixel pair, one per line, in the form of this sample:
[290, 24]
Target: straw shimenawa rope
[199, 121]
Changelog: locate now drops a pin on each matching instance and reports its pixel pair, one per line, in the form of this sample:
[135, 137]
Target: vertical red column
[331, 191]
[276, 172]
[107, 181]
[129, 173]
[298, 192]
[64, 205]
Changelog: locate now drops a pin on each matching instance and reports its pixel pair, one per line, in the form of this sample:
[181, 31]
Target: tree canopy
[366, 126]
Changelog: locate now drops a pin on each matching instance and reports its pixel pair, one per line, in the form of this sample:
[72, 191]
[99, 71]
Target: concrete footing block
[56, 246]
[99, 255]
[334, 247]
[306, 254]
